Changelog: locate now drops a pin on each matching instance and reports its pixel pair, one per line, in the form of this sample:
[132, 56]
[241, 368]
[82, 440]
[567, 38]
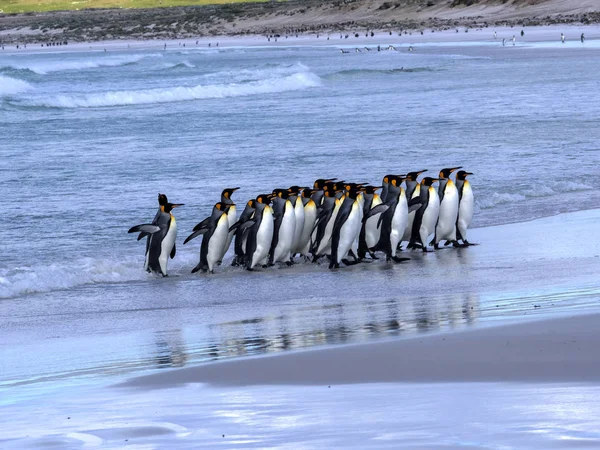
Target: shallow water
[89, 138]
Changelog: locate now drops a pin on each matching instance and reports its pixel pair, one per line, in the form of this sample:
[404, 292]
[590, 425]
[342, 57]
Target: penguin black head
[281, 193]
[251, 203]
[162, 199]
[412, 176]
[445, 173]
[223, 206]
[428, 181]
[371, 189]
[265, 199]
[387, 178]
[462, 175]
[168, 207]
[396, 180]
[307, 192]
[320, 183]
[228, 192]
[294, 190]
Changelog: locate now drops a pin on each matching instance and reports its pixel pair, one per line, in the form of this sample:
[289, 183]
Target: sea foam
[292, 82]
[48, 66]
[11, 86]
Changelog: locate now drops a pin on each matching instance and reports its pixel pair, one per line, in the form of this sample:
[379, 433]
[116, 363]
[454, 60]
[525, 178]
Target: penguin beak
[177, 205]
[421, 171]
[234, 189]
[468, 173]
[455, 168]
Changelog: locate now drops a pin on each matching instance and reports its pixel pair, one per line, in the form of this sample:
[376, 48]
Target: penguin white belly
[264, 236]
[349, 232]
[325, 244]
[286, 236]
[430, 217]
[411, 216]
[372, 231]
[231, 219]
[167, 245]
[299, 214]
[217, 242]
[147, 261]
[399, 221]
[446, 225]
[465, 210]
[310, 217]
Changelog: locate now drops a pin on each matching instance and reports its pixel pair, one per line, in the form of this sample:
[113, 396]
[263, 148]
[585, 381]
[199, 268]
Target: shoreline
[546, 35]
[291, 19]
[549, 350]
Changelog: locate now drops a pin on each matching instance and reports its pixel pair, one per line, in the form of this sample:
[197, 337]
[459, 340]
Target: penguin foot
[399, 260]
[350, 263]
[289, 263]
[373, 255]
[267, 265]
[333, 265]
[249, 269]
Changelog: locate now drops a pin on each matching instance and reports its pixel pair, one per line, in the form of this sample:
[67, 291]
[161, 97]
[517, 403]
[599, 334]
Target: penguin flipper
[197, 268]
[172, 255]
[414, 206]
[203, 224]
[147, 228]
[195, 234]
[381, 208]
[242, 227]
[141, 236]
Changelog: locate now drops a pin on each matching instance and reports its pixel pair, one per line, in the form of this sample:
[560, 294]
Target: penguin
[296, 200]
[427, 214]
[370, 232]
[346, 227]
[241, 232]
[384, 187]
[393, 218]
[231, 216]
[162, 200]
[161, 233]
[318, 192]
[260, 234]
[413, 189]
[310, 218]
[285, 227]
[466, 204]
[445, 228]
[325, 221]
[215, 230]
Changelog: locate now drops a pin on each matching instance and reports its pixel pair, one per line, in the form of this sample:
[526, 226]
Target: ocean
[89, 138]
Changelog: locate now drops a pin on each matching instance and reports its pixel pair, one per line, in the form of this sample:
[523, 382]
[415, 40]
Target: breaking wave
[45, 67]
[292, 82]
[11, 86]
[546, 190]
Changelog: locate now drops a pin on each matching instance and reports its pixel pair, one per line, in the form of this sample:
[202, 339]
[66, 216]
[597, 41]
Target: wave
[177, 94]
[180, 65]
[11, 86]
[54, 277]
[546, 190]
[45, 67]
[267, 71]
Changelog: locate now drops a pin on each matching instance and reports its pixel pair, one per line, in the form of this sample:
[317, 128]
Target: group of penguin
[336, 219]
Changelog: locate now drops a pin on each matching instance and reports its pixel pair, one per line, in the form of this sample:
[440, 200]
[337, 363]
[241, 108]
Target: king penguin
[393, 218]
[241, 229]
[413, 189]
[346, 228]
[161, 233]
[445, 228]
[215, 230]
[310, 218]
[260, 235]
[296, 200]
[466, 205]
[321, 241]
[285, 227]
[370, 232]
[231, 216]
[427, 215]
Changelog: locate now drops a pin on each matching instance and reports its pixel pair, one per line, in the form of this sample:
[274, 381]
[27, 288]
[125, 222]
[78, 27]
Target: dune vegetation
[25, 6]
